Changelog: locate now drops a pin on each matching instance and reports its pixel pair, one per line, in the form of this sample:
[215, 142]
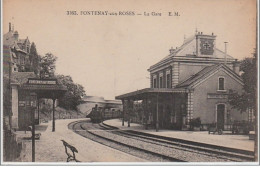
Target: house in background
[19, 50]
[191, 82]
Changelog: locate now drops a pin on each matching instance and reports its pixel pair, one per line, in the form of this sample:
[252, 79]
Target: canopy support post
[157, 113]
[53, 115]
[123, 118]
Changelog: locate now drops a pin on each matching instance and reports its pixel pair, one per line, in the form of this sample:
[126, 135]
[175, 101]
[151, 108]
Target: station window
[154, 82]
[221, 83]
[161, 82]
[168, 79]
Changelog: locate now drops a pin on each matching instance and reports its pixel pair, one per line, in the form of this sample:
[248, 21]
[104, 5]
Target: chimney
[225, 52]
[236, 66]
[10, 26]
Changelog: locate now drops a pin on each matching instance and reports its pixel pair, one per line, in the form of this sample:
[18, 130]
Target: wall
[15, 106]
[189, 69]
[206, 108]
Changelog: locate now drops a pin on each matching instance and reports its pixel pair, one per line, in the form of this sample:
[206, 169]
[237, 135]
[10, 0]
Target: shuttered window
[221, 83]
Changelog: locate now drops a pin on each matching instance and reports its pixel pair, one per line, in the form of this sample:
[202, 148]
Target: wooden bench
[215, 130]
[72, 149]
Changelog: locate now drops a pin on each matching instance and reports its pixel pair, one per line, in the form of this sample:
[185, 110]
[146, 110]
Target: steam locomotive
[99, 114]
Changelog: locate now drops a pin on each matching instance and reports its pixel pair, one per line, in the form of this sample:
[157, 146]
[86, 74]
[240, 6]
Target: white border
[118, 163]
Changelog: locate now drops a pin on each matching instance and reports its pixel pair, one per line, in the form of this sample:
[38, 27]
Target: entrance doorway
[220, 116]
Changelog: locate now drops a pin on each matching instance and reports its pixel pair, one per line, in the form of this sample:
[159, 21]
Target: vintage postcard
[133, 82]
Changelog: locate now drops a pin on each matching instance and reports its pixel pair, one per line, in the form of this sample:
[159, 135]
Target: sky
[109, 55]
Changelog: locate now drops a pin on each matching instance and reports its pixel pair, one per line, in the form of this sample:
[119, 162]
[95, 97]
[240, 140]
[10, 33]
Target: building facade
[19, 50]
[192, 82]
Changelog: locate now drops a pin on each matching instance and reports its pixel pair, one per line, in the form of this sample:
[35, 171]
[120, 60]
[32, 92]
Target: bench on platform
[72, 156]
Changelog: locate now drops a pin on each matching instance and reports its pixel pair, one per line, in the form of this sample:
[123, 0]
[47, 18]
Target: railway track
[157, 148]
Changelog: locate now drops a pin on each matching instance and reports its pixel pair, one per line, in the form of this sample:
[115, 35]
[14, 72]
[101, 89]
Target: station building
[191, 82]
[18, 85]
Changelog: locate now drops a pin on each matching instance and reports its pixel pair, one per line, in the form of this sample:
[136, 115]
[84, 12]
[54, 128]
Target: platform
[227, 139]
[50, 148]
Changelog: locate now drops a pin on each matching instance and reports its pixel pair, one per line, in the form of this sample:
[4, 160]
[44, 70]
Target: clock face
[206, 46]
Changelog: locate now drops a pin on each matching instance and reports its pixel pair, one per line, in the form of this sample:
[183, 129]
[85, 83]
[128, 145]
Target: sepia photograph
[133, 82]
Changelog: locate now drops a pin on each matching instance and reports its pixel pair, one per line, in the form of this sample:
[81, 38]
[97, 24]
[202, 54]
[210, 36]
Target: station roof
[151, 91]
[204, 73]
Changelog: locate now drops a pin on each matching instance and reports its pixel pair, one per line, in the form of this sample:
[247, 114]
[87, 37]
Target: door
[220, 116]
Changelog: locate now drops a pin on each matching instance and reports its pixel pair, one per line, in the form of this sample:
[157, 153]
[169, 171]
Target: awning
[150, 91]
[48, 88]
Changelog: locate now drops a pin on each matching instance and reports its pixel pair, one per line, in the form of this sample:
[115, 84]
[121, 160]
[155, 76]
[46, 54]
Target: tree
[247, 99]
[34, 59]
[73, 95]
[47, 65]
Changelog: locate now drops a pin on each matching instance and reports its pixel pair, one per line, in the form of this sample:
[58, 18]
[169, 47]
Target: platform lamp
[33, 98]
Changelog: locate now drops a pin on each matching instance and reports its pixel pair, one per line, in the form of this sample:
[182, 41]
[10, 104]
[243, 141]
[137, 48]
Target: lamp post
[33, 106]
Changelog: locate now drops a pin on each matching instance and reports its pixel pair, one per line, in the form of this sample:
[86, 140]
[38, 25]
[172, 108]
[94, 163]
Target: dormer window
[221, 83]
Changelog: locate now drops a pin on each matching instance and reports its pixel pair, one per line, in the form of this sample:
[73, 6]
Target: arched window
[161, 82]
[221, 82]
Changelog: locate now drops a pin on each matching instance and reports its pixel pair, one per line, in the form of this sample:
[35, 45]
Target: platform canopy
[45, 88]
[144, 93]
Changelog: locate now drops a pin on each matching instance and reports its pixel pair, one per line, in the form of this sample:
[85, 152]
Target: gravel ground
[168, 150]
[119, 147]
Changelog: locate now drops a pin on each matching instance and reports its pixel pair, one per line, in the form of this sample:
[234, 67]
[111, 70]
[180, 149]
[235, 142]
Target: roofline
[193, 84]
[190, 59]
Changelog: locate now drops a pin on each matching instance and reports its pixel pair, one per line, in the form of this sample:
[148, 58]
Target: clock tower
[205, 45]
